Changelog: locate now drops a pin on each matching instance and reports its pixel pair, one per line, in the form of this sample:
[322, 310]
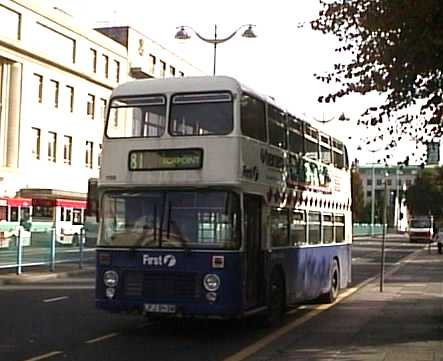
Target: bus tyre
[440, 246]
[331, 295]
[276, 300]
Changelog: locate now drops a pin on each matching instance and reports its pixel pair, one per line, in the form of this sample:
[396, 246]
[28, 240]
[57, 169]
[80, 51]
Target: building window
[162, 69]
[106, 65]
[39, 87]
[55, 87]
[67, 149]
[10, 22]
[70, 90]
[93, 54]
[369, 182]
[103, 104]
[90, 108]
[152, 61]
[52, 147]
[172, 71]
[88, 153]
[117, 71]
[53, 43]
[379, 182]
[36, 143]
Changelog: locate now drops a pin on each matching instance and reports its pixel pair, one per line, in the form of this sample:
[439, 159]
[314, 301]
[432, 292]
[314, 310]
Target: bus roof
[178, 85]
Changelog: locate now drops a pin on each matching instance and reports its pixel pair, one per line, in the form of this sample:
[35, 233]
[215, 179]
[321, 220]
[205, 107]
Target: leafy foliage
[393, 47]
[426, 195]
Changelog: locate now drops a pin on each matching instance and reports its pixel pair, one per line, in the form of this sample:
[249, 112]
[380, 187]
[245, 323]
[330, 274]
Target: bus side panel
[308, 270]
[172, 278]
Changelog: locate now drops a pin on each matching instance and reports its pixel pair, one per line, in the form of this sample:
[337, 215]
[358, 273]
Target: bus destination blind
[166, 159]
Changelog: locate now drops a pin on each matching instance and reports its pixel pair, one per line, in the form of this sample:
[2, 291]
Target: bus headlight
[211, 282]
[110, 278]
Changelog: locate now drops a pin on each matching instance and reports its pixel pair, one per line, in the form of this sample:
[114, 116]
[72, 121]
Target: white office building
[55, 80]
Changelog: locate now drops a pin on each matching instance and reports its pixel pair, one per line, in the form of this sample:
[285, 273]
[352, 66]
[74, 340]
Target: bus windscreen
[171, 219]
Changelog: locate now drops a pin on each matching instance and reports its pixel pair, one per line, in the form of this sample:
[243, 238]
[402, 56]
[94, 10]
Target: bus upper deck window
[253, 117]
[137, 117]
[201, 114]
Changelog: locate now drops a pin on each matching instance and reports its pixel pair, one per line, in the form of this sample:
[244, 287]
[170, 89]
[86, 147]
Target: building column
[13, 116]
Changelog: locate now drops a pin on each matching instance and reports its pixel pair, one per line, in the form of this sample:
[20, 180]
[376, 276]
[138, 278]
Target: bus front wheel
[331, 295]
[276, 300]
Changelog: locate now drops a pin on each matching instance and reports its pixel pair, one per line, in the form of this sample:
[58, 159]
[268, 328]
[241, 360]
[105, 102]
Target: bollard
[82, 236]
[52, 250]
[19, 253]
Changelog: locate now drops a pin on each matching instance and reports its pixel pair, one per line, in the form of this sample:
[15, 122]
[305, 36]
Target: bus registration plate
[159, 308]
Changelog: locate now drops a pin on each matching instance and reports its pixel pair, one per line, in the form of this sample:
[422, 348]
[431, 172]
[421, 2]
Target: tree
[357, 196]
[426, 195]
[395, 48]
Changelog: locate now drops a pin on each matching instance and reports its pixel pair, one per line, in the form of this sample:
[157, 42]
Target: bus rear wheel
[276, 300]
[332, 294]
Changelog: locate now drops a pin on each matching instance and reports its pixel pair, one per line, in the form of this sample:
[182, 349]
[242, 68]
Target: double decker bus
[214, 202]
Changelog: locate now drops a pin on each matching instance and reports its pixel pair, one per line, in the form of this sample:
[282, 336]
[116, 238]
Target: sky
[280, 62]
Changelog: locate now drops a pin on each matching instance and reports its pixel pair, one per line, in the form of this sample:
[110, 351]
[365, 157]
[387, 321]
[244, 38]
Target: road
[56, 320]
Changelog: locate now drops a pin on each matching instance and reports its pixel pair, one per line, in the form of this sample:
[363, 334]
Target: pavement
[402, 323]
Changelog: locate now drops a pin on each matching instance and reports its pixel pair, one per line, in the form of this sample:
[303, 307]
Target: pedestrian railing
[44, 248]
[365, 229]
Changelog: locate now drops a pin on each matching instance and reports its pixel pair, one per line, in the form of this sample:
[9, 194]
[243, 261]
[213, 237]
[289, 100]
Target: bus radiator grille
[159, 286]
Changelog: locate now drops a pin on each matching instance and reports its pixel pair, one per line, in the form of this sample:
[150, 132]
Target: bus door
[254, 255]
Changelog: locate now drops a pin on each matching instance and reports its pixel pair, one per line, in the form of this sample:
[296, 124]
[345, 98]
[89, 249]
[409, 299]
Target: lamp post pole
[215, 48]
[383, 242]
[397, 197]
[372, 199]
[183, 35]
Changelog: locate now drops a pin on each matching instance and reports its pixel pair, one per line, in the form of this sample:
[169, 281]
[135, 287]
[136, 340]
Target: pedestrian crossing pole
[52, 255]
[19, 252]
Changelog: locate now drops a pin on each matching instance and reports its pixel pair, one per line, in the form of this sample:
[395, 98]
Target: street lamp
[342, 118]
[183, 35]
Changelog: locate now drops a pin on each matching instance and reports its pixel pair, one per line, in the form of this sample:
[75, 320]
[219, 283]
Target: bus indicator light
[218, 262]
[104, 259]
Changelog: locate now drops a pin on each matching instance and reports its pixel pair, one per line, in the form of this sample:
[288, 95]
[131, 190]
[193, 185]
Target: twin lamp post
[182, 34]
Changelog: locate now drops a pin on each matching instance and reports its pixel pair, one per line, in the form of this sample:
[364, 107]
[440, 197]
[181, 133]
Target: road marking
[46, 355]
[98, 339]
[316, 310]
[55, 299]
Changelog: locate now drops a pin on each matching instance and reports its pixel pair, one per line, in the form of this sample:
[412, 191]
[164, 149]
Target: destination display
[166, 159]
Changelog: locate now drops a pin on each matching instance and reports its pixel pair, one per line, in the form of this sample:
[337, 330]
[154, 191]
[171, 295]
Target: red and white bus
[15, 215]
